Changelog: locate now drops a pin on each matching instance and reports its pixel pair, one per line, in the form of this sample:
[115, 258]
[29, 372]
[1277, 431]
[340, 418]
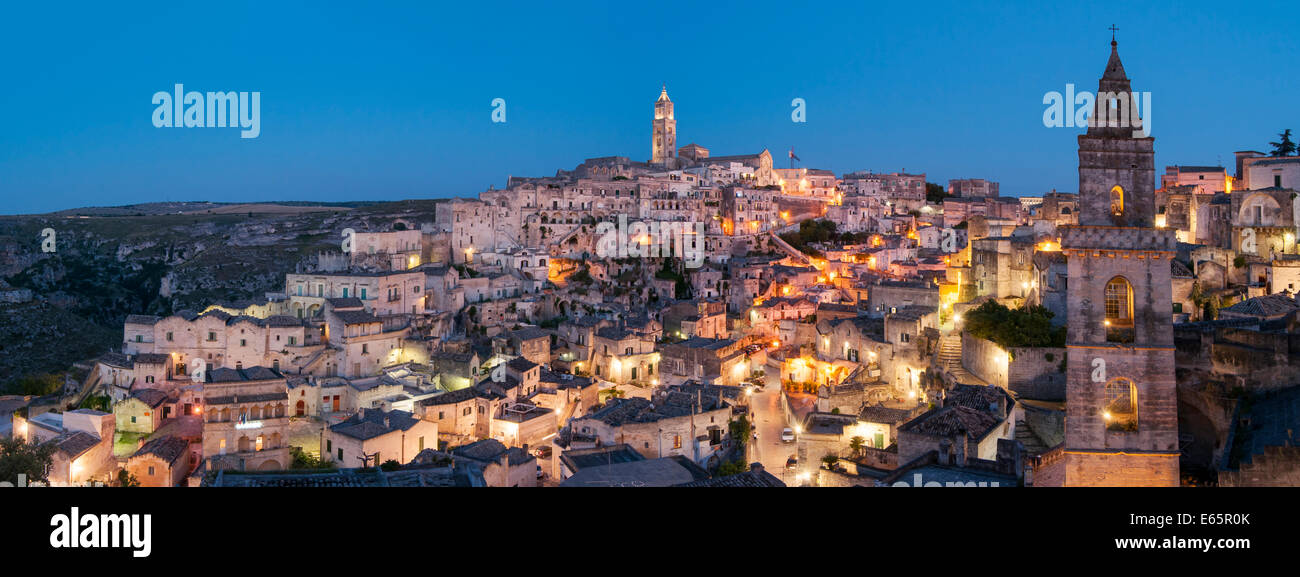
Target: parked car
[542, 452]
[540, 474]
[792, 463]
[787, 435]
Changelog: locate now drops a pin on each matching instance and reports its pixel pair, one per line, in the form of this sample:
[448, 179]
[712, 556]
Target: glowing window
[1117, 201]
[1119, 302]
[1120, 411]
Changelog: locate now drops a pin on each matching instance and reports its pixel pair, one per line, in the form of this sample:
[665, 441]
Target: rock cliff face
[150, 259]
[39, 337]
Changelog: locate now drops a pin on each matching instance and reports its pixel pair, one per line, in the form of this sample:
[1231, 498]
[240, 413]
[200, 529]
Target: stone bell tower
[663, 146]
[1121, 425]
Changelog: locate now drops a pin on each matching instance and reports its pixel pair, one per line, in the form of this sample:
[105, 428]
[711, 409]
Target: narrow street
[769, 450]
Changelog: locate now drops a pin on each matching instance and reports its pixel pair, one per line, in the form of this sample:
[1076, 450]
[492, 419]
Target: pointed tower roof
[663, 95]
[1114, 68]
[1114, 82]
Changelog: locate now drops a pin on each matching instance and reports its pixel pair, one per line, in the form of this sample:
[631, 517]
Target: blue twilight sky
[372, 100]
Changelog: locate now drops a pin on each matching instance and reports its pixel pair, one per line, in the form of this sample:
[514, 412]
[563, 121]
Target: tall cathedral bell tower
[663, 146]
[1121, 425]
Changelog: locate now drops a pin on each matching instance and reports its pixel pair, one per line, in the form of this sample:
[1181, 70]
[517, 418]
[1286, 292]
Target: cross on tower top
[1113, 29]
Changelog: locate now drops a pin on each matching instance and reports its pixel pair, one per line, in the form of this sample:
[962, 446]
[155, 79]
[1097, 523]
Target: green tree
[812, 231]
[830, 461]
[1284, 147]
[583, 276]
[740, 429]
[98, 403]
[18, 457]
[304, 460]
[857, 443]
[730, 468]
[126, 479]
[1023, 327]
[36, 384]
[935, 193]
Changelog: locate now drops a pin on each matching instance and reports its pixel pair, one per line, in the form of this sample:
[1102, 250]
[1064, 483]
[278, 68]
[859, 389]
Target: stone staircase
[949, 359]
[783, 246]
[306, 366]
[1033, 445]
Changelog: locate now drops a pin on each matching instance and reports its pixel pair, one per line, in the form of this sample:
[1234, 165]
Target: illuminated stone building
[245, 420]
[1121, 426]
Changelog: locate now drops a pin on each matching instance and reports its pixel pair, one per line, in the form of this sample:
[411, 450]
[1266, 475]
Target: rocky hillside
[111, 262]
[39, 337]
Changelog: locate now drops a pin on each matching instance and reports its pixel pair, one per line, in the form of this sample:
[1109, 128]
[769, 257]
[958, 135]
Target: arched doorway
[301, 409]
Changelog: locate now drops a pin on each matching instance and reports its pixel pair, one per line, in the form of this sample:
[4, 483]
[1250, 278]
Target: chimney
[945, 452]
[938, 399]
[960, 448]
[756, 467]
[1241, 156]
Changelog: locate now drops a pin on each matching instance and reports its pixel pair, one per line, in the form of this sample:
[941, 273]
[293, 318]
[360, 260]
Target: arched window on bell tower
[1117, 201]
[1119, 310]
[1120, 411]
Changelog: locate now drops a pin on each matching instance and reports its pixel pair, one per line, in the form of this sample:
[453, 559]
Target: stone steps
[949, 359]
[1033, 445]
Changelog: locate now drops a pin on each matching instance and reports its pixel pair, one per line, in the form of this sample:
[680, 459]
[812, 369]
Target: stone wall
[1035, 373]
[1083, 469]
[1277, 467]
[882, 459]
[984, 359]
[1239, 356]
[1151, 371]
[826, 478]
[1099, 456]
[1030, 372]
